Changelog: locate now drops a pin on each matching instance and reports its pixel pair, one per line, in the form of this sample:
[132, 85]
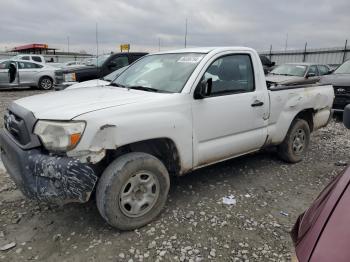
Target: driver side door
[232, 120]
[4, 73]
[5, 78]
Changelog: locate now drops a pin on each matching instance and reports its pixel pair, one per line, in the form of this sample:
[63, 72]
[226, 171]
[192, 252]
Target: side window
[313, 70]
[37, 59]
[4, 65]
[27, 65]
[231, 74]
[25, 58]
[118, 62]
[37, 66]
[323, 69]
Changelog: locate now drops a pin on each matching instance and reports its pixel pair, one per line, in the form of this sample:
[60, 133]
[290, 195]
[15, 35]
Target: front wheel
[132, 190]
[45, 83]
[296, 142]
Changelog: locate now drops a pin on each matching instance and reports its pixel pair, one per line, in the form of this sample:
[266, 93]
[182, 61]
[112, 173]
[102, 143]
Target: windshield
[289, 70]
[98, 61]
[110, 77]
[344, 68]
[160, 72]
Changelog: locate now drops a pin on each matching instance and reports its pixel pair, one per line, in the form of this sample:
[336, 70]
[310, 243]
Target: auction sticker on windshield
[190, 59]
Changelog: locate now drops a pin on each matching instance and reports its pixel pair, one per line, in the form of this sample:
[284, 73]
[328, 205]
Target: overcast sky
[141, 23]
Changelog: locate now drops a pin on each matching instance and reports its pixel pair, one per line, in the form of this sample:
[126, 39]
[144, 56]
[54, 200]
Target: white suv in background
[30, 57]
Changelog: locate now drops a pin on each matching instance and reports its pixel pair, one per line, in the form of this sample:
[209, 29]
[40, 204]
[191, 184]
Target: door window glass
[25, 58]
[323, 69]
[4, 65]
[313, 70]
[231, 74]
[37, 59]
[27, 65]
[118, 63]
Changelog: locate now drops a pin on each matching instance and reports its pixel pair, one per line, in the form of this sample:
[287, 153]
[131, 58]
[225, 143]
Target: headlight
[71, 77]
[59, 136]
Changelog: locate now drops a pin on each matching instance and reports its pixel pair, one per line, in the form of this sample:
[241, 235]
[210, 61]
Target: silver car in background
[21, 73]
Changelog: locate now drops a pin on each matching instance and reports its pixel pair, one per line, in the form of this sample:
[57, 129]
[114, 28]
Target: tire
[45, 83]
[132, 190]
[296, 142]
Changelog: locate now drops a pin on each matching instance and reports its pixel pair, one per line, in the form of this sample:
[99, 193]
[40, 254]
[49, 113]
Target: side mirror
[203, 90]
[346, 117]
[310, 75]
[273, 64]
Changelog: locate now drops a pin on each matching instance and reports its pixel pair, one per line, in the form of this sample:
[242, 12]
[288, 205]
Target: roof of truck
[207, 49]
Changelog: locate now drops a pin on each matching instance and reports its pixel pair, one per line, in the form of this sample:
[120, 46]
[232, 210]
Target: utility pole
[304, 57]
[286, 46]
[68, 44]
[270, 52]
[96, 40]
[186, 34]
[158, 43]
[344, 55]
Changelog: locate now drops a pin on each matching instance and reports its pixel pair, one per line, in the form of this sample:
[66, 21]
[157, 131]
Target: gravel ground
[195, 224]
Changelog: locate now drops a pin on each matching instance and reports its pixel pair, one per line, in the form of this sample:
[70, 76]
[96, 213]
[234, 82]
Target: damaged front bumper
[44, 177]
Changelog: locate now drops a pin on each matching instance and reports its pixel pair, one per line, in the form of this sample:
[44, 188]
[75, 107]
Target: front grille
[59, 77]
[342, 90]
[16, 127]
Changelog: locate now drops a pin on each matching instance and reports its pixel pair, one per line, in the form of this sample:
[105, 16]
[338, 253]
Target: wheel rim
[46, 83]
[299, 139]
[139, 194]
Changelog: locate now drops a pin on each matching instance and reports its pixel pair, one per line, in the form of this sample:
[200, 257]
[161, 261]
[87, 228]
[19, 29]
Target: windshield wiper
[116, 84]
[144, 88]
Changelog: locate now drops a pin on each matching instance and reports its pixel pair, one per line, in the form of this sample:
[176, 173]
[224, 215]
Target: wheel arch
[164, 149]
[308, 116]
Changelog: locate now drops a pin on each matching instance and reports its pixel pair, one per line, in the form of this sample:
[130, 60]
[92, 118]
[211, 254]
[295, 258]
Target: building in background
[50, 54]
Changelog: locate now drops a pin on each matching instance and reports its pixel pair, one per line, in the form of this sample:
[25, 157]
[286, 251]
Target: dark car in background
[267, 64]
[322, 232]
[97, 68]
[297, 74]
[340, 79]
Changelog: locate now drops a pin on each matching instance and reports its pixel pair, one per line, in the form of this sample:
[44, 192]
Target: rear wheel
[45, 83]
[296, 142]
[132, 190]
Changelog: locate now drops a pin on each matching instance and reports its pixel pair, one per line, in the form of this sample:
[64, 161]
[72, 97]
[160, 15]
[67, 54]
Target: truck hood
[89, 83]
[67, 104]
[336, 79]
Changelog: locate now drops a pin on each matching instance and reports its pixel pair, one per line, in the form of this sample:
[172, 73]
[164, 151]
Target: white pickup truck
[169, 113]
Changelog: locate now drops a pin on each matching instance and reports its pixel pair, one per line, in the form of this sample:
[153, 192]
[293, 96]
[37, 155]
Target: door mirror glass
[346, 117]
[203, 90]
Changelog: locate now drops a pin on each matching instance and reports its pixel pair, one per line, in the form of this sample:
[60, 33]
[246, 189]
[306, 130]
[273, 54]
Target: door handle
[257, 103]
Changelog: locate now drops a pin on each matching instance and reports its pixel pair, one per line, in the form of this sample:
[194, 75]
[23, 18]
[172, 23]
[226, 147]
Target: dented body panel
[198, 132]
[287, 103]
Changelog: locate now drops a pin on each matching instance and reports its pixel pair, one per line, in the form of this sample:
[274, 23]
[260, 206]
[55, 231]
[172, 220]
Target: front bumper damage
[44, 177]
